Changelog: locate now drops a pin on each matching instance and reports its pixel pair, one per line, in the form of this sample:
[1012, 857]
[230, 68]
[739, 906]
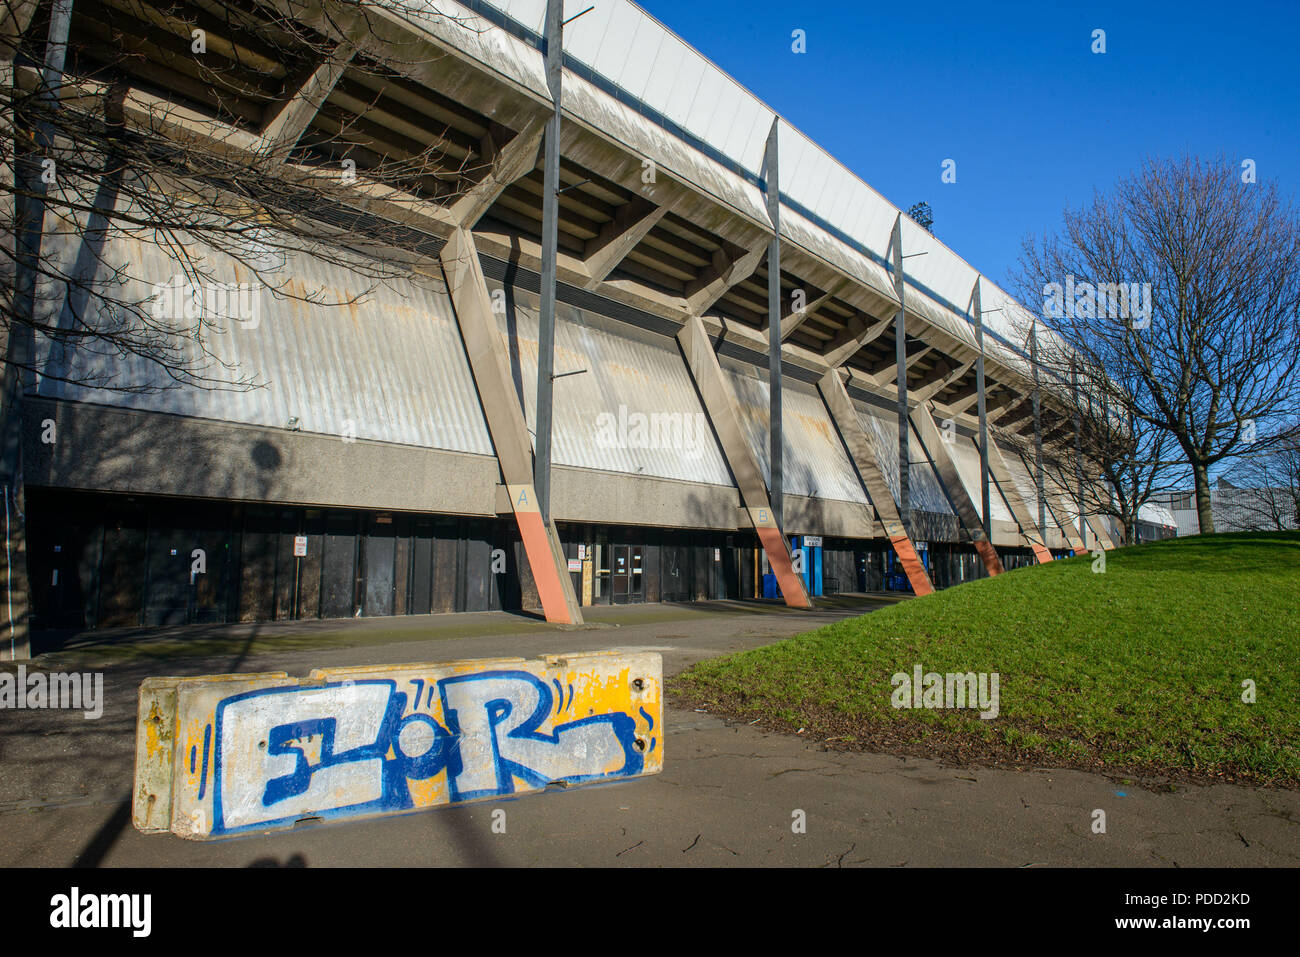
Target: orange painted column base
[537, 546]
[989, 554]
[912, 565]
[778, 556]
[1040, 553]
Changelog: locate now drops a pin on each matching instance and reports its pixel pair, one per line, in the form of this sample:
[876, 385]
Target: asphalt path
[730, 794]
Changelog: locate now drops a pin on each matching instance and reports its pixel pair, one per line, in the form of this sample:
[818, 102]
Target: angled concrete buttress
[1019, 510]
[846, 421]
[720, 405]
[1098, 526]
[507, 425]
[1101, 539]
[1047, 515]
[1056, 502]
[1095, 523]
[961, 500]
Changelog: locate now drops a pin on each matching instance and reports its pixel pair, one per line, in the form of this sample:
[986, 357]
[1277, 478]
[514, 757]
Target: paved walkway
[727, 795]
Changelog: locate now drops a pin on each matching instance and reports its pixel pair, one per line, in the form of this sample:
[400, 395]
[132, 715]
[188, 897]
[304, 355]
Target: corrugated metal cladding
[1060, 502]
[634, 410]
[389, 367]
[924, 490]
[1023, 478]
[814, 462]
[966, 455]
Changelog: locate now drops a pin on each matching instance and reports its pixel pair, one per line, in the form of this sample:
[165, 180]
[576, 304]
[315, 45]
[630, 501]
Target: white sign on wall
[300, 546]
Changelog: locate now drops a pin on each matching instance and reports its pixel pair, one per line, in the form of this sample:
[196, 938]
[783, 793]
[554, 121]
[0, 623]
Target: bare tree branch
[85, 181]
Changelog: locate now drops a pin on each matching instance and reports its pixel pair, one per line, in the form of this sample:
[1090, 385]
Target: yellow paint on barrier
[260, 752]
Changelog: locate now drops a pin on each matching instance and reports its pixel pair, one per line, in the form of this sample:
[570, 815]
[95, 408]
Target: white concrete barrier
[229, 754]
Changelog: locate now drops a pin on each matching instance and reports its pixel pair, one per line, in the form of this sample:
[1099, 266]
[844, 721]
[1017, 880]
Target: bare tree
[1183, 281]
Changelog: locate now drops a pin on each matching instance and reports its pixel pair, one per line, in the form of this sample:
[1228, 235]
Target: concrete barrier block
[250, 753]
[158, 756]
[155, 726]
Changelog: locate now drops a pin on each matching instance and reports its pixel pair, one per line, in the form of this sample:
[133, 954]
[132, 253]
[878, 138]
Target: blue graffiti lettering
[350, 748]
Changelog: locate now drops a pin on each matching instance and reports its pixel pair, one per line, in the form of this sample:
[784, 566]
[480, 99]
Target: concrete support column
[1038, 431]
[1101, 524]
[1056, 495]
[721, 406]
[511, 156]
[550, 246]
[1023, 516]
[1104, 541]
[900, 375]
[1078, 452]
[966, 512]
[1057, 489]
[631, 224]
[284, 122]
[846, 420]
[771, 187]
[507, 425]
[983, 410]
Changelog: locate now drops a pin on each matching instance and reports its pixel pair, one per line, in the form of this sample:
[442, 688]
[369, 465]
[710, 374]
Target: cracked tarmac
[728, 795]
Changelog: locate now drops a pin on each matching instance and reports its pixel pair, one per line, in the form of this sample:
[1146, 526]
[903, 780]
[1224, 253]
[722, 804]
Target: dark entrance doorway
[675, 576]
[627, 574]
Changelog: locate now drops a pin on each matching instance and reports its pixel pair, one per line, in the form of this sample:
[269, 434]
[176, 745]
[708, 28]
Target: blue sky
[1013, 93]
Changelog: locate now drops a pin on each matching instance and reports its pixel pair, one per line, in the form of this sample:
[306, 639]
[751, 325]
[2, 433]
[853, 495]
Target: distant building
[1155, 522]
[1234, 509]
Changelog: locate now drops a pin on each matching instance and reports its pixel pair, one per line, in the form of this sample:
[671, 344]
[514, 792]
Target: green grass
[1138, 669]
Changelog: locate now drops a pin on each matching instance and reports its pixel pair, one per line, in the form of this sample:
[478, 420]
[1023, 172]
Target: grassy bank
[1137, 669]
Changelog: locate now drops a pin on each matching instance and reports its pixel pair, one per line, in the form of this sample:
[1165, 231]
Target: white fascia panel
[617, 45]
[586, 36]
[643, 61]
[531, 13]
[686, 84]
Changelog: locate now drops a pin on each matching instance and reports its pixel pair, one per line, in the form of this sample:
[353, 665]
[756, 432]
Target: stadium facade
[388, 463]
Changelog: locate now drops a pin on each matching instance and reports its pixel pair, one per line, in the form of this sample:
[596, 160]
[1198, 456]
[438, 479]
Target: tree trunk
[1204, 511]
